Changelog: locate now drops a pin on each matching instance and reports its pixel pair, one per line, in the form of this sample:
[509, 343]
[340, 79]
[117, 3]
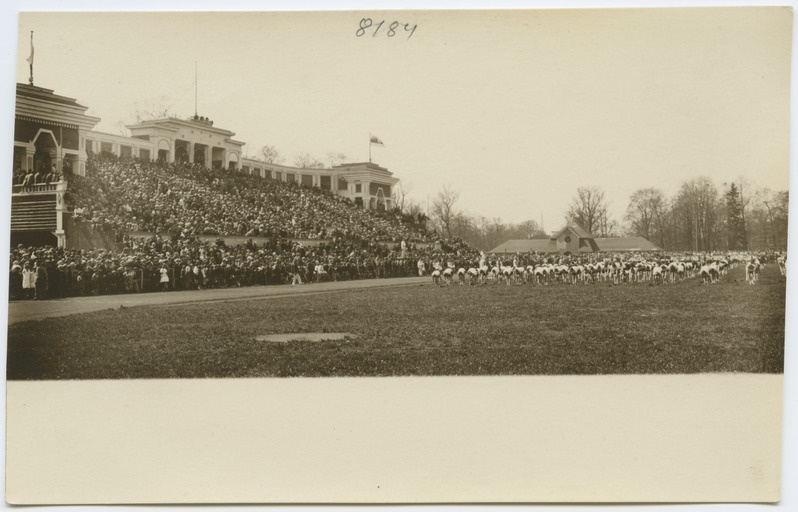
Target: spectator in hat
[41, 281]
[15, 281]
[164, 280]
[296, 268]
[28, 281]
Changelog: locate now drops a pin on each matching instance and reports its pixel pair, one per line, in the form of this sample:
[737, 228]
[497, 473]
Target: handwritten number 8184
[391, 30]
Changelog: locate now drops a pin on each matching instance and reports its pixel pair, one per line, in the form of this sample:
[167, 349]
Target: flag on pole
[30, 59]
[376, 140]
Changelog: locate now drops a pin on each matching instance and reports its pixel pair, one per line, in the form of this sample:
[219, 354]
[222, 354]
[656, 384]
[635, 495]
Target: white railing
[40, 188]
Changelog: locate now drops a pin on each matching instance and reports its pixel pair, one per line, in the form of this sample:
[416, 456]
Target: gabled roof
[632, 243]
[526, 245]
[580, 232]
[588, 245]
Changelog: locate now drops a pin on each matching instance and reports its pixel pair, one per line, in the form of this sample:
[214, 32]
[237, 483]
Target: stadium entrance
[164, 154]
[46, 151]
[217, 154]
[199, 153]
[181, 151]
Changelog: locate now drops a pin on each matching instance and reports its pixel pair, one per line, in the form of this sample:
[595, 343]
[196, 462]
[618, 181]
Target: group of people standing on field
[28, 281]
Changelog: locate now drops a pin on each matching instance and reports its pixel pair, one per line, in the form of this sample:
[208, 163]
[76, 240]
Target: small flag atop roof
[30, 59]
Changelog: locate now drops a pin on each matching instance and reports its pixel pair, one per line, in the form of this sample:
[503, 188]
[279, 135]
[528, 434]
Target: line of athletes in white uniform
[709, 267]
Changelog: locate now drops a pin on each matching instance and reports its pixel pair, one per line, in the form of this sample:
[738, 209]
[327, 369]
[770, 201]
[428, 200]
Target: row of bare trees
[699, 217]
[703, 217]
[478, 231]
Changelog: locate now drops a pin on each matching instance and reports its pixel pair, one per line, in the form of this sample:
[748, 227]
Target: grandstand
[175, 207]
[54, 140]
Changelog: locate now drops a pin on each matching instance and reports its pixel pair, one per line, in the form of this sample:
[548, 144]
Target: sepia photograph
[467, 249]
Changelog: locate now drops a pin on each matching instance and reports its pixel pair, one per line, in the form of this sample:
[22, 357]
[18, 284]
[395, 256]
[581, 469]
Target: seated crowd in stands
[188, 199]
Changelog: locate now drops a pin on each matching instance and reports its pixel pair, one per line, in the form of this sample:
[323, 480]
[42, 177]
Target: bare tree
[154, 109]
[270, 155]
[663, 225]
[697, 210]
[745, 199]
[589, 210]
[399, 195]
[462, 226]
[443, 208]
[306, 161]
[413, 207]
[122, 129]
[495, 233]
[645, 206]
[769, 216]
[529, 229]
[335, 158]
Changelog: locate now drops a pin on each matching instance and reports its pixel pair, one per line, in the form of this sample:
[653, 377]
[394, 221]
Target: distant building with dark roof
[574, 239]
[622, 244]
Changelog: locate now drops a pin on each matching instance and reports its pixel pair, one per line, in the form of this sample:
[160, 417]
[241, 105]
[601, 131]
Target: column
[366, 188]
[79, 166]
[29, 151]
[60, 211]
[190, 152]
[59, 159]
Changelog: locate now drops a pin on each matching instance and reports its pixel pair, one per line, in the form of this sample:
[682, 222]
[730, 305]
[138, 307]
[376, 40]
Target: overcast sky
[513, 109]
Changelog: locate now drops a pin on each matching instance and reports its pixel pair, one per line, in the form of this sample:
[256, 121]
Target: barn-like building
[573, 239]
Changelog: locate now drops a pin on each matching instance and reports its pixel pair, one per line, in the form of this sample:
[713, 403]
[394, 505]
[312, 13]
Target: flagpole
[31, 58]
[369, 147]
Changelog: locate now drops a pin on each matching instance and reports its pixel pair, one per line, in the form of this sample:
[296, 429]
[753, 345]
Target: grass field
[425, 330]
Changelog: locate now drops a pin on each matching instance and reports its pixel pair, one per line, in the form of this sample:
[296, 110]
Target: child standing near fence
[164, 281]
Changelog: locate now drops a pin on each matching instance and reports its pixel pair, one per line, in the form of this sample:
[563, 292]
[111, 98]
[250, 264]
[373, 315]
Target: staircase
[33, 213]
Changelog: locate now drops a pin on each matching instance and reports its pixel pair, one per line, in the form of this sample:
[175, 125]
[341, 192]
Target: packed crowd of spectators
[161, 264]
[187, 200]
[178, 202]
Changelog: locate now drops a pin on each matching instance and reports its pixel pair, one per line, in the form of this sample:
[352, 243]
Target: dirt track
[21, 311]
